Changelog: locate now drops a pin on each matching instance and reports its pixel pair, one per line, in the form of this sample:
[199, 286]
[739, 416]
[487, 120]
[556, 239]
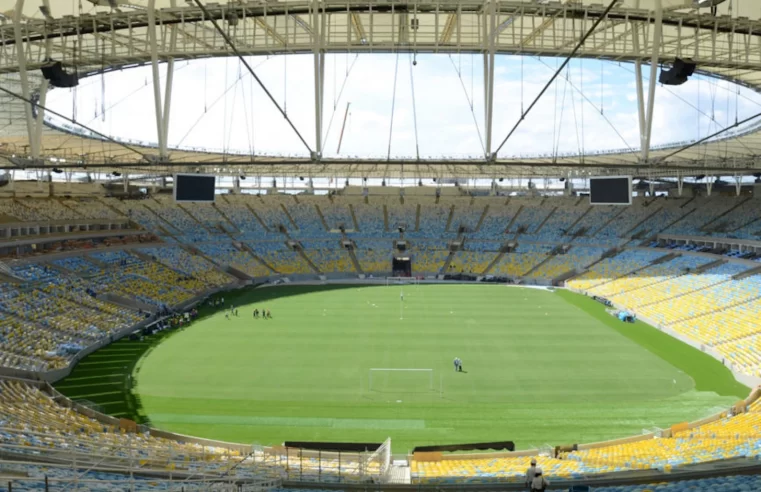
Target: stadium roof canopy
[90, 36]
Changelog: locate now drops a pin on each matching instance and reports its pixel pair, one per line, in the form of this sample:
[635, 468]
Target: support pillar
[319, 75]
[640, 93]
[738, 184]
[709, 184]
[24, 78]
[159, 108]
[490, 28]
[657, 34]
[679, 184]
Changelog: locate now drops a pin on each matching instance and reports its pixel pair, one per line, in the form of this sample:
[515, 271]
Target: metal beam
[24, 78]
[657, 35]
[319, 74]
[559, 70]
[490, 33]
[158, 106]
[251, 71]
[640, 94]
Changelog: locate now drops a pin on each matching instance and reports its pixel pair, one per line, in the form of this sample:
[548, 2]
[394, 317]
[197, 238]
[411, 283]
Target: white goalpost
[402, 281]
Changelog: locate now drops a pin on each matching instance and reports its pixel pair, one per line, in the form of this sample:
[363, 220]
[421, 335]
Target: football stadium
[394, 245]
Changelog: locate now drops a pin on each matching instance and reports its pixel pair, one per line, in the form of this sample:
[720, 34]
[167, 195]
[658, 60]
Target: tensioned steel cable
[558, 71]
[716, 134]
[74, 122]
[230, 43]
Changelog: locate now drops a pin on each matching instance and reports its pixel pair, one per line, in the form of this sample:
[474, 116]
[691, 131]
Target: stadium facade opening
[402, 106]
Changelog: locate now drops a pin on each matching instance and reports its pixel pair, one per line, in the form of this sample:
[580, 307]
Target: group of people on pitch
[264, 312]
[535, 480]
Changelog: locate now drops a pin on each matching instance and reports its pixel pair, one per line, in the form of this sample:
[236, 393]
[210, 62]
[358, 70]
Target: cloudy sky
[217, 105]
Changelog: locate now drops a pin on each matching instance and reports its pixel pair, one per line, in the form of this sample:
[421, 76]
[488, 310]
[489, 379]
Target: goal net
[402, 281]
[400, 380]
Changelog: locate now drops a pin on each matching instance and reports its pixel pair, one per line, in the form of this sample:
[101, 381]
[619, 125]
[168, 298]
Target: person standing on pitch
[455, 364]
[530, 473]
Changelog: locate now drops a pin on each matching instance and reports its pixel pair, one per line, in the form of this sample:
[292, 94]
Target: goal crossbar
[402, 280]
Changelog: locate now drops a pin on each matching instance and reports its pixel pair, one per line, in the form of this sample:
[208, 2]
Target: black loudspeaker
[58, 77]
[678, 74]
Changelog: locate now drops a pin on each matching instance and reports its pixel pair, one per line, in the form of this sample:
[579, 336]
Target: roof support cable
[602, 87]
[594, 106]
[696, 106]
[472, 110]
[393, 102]
[713, 135]
[340, 93]
[582, 145]
[560, 120]
[74, 122]
[214, 103]
[230, 43]
[557, 72]
[414, 108]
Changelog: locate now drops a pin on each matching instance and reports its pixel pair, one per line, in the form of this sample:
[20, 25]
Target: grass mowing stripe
[105, 362]
[344, 423]
[91, 395]
[539, 370]
[709, 374]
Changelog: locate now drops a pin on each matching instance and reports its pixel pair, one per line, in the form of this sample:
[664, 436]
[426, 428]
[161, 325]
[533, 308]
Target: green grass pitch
[541, 368]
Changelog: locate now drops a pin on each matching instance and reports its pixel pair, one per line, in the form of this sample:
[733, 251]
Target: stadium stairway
[593, 232]
[385, 217]
[481, 219]
[163, 225]
[73, 211]
[660, 259]
[747, 273]
[552, 254]
[230, 224]
[719, 310]
[578, 220]
[447, 262]
[355, 261]
[115, 210]
[195, 219]
[353, 217]
[322, 217]
[238, 274]
[300, 251]
[449, 219]
[245, 247]
[648, 217]
[134, 304]
[512, 221]
[496, 260]
[691, 291]
[715, 221]
[290, 218]
[417, 215]
[708, 266]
